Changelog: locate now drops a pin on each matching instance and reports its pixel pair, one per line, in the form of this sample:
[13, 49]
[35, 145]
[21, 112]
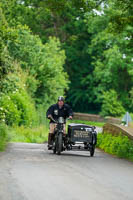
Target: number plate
[81, 134]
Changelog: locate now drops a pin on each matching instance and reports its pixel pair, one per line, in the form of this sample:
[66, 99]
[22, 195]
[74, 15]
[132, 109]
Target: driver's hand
[70, 117]
[49, 116]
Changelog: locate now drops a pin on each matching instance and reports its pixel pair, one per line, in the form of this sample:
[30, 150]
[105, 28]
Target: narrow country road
[31, 172]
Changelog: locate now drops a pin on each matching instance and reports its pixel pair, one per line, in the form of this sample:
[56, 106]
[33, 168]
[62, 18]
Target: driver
[60, 109]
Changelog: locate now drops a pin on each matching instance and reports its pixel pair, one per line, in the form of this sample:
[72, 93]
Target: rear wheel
[59, 144]
[95, 139]
[92, 151]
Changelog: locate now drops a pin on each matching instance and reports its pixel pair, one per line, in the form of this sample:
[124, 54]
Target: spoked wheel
[92, 150]
[59, 144]
[95, 139]
[54, 148]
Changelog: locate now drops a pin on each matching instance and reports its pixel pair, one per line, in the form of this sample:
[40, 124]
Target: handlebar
[50, 117]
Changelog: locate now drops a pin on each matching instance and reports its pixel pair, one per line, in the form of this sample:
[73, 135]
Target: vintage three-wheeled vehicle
[79, 137]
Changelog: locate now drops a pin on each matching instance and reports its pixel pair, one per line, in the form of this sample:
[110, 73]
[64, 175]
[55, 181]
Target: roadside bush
[111, 106]
[119, 145]
[17, 109]
[3, 136]
[26, 108]
[8, 111]
[44, 64]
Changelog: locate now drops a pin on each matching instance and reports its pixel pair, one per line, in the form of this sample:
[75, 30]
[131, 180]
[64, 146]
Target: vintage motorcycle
[80, 137]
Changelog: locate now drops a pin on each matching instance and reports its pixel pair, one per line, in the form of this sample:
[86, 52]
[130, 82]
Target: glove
[49, 116]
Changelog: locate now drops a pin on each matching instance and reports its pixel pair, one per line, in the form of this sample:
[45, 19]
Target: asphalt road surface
[31, 172]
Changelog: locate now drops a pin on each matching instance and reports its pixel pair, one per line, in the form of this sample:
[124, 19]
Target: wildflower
[124, 55]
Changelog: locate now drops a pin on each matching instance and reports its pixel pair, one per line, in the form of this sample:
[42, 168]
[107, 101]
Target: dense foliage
[80, 49]
[97, 38]
[119, 145]
[31, 73]
[3, 136]
[111, 106]
[43, 63]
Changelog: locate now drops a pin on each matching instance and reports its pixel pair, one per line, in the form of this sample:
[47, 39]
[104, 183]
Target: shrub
[111, 106]
[8, 111]
[17, 109]
[3, 136]
[26, 108]
[119, 145]
[44, 64]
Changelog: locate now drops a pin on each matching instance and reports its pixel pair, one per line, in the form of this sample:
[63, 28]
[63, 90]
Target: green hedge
[3, 136]
[119, 145]
[17, 109]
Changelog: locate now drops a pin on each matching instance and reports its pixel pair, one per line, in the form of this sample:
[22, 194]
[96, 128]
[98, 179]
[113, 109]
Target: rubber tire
[54, 150]
[92, 151]
[95, 138]
[59, 144]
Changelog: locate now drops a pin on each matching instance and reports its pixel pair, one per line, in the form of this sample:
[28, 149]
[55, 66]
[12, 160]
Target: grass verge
[30, 135]
[120, 145]
[3, 136]
[100, 124]
[38, 134]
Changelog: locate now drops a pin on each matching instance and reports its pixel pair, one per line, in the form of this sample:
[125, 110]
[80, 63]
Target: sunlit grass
[119, 145]
[38, 134]
[30, 135]
[3, 136]
[91, 123]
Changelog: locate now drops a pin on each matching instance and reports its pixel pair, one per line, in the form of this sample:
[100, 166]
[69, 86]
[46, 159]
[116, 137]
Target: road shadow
[73, 154]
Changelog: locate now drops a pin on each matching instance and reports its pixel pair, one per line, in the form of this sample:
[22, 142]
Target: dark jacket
[57, 112]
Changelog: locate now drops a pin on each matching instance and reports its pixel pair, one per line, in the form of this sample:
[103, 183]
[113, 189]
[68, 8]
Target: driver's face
[60, 103]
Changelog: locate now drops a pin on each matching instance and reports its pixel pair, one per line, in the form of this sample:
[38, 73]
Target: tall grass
[91, 123]
[30, 135]
[3, 136]
[37, 133]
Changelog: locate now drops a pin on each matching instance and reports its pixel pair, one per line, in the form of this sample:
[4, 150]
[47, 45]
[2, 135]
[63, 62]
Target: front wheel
[54, 148]
[59, 144]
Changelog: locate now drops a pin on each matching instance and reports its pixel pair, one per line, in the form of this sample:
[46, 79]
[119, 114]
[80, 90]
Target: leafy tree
[120, 15]
[49, 17]
[65, 20]
[131, 100]
[6, 34]
[16, 105]
[112, 57]
[96, 36]
[43, 63]
[111, 106]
